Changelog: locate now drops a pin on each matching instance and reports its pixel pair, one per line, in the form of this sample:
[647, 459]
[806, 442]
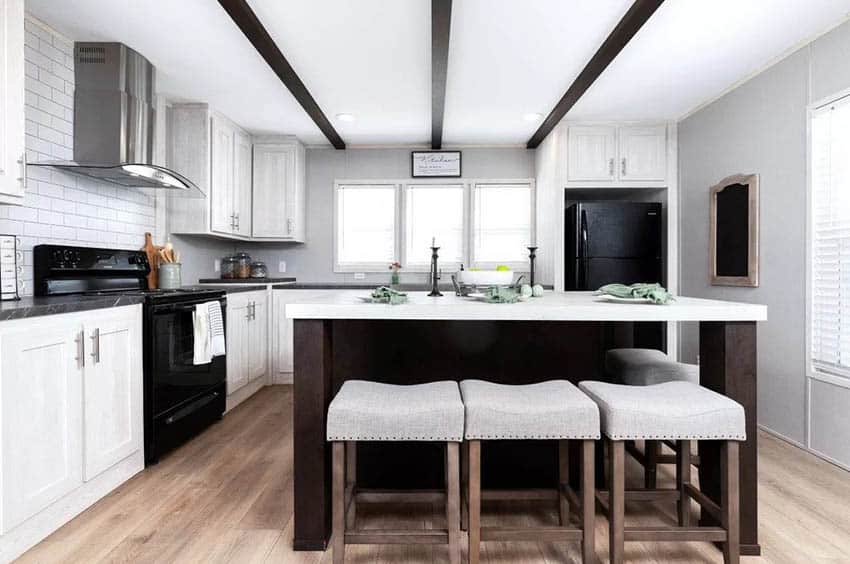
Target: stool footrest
[681, 534]
[397, 536]
[543, 534]
[519, 495]
[400, 496]
[664, 494]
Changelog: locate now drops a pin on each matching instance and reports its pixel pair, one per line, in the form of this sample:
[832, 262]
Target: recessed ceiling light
[345, 117]
[532, 117]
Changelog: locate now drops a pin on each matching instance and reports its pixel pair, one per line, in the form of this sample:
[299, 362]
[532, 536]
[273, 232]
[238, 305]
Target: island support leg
[312, 380]
[728, 360]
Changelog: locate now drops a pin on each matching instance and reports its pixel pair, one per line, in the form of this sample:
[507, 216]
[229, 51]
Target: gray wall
[760, 127]
[313, 260]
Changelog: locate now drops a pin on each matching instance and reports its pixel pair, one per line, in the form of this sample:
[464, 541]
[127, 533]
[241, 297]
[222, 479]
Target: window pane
[366, 224]
[830, 330]
[434, 212]
[502, 223]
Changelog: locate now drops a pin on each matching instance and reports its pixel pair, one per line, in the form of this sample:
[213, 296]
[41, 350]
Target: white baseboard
[801, 446]
[39, 526]
[244, 393]
[280, 378]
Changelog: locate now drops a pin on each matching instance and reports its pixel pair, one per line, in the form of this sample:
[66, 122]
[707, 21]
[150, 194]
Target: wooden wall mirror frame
[739, 270]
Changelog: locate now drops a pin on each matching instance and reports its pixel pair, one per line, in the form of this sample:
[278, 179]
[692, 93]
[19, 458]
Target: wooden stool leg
[338, 502]
[351, 483]
[730, 502]
[464, 477]
[683, 478]
[650, 465]
[588, 502]
[474, 501]
[616, 503]
[563, 481]
[453, 501]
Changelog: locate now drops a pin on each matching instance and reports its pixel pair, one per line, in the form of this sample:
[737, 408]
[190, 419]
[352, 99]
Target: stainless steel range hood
[114, 119]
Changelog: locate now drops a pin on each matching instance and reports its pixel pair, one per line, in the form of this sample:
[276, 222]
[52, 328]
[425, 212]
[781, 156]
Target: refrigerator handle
[583, 252]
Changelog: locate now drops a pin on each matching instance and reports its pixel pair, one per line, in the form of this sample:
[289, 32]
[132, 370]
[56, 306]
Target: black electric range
[180, 397]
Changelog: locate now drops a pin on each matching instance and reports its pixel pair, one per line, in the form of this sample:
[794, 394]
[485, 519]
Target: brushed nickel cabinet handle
[289, 224]
[95, 338]
[623, 167]
[81, 349]
[611, 167]
[23, 162]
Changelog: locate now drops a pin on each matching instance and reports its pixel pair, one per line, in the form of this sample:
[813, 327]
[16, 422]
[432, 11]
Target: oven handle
[190, 307]
[191, 408]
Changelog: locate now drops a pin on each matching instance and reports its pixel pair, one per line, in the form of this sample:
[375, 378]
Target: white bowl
[486, 277]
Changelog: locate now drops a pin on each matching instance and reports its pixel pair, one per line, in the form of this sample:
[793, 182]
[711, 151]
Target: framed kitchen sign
[734, 231]
[435, 164]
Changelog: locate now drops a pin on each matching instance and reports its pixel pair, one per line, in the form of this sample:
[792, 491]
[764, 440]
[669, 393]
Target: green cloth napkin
[502, 295]
[656, 293]
[385, 295]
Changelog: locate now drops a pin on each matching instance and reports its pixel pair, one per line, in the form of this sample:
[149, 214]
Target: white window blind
[501, 223]
[433, 211]
[830, 225]
[366, 226]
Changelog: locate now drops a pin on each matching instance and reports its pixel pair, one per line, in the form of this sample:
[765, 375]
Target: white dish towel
[208, 328]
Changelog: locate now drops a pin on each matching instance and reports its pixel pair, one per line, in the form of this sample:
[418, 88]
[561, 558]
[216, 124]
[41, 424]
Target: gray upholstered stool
[644, 367]
[554, 410]
[369, 411]
[682, 412]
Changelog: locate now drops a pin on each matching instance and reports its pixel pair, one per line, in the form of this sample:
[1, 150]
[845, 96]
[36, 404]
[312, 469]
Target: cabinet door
[242, 183]
[591, 152]
[643, 153]
[222, 214]
[41, 381]
[112, 389]
[259, 341]
[274, 185]
[284, 350]
[12, 150]
[236, 344]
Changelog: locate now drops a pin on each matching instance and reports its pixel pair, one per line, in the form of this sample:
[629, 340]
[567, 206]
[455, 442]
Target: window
[501, 224]
[475, 223]
[830, 238]
[433, 211]
[365, 226]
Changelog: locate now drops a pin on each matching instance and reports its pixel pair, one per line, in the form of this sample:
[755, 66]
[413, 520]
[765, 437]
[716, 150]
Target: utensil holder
[169, 276]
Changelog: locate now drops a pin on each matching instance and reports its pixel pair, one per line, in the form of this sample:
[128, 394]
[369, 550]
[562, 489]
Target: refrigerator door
[595, 272]
[619, 229]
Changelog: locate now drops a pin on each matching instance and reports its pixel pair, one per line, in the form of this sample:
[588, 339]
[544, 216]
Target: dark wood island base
[330, 351]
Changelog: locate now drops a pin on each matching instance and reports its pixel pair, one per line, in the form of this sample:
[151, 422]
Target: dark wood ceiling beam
[245, 18]
[441, 23]
[628, 26]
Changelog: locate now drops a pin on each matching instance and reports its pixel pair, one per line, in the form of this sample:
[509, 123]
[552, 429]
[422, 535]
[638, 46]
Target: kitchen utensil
[170, 276]
[152, 252]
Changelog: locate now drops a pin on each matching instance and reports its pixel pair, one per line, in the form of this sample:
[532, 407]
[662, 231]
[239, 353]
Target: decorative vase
[394, 279]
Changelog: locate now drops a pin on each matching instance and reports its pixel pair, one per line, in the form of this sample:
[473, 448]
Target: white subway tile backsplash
[60, 208]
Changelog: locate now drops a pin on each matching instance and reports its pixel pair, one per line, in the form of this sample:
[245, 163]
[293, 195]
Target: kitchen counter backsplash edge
[37, 307]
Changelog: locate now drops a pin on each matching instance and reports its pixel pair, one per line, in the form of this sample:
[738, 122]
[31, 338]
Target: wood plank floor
[227, 497]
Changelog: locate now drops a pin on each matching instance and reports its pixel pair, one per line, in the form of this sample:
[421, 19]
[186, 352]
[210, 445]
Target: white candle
[433, 242]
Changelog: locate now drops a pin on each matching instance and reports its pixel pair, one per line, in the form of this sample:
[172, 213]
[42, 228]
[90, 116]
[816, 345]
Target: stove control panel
[85, 259]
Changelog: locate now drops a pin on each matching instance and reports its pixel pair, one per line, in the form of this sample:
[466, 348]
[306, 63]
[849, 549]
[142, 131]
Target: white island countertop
[552, 306]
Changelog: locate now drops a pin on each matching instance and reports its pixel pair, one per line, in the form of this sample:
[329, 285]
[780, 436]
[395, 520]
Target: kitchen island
[560, 335]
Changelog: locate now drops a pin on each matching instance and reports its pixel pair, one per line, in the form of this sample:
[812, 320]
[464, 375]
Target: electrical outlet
[281, 266]
[360, 276]
[217, 265]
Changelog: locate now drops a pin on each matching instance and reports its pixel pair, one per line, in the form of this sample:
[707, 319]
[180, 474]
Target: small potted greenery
[394, 277]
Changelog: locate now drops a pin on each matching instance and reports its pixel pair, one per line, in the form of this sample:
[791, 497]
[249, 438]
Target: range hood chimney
[114, 119]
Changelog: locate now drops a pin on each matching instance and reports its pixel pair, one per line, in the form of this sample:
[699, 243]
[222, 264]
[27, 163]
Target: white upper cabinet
[41, 380]
[112, 390]
[643, 153]
[255, 190]
[242, 183]
[592, 153]
[278, 197]
[617, 155]
[12, 148]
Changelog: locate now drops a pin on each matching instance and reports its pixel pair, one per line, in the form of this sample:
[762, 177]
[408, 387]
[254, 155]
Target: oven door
[176, 380]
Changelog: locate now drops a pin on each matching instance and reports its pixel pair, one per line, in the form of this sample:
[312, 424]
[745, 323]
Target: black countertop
[37, 307]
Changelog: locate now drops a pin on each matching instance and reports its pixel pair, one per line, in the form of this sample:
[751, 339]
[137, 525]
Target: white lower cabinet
[71, 403]
[284, 350]
[247, 338]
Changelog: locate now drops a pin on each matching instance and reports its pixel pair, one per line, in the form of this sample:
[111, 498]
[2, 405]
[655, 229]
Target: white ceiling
[507, 58]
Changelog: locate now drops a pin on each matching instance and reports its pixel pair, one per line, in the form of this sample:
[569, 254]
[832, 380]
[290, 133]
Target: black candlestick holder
[531, 258]
[435, 274]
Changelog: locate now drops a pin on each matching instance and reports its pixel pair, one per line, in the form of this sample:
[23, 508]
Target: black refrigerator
[612, 241]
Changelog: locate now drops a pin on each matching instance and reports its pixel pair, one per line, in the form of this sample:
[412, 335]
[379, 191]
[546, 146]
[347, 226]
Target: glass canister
[243, 265]
[228, 267]
[259, 269]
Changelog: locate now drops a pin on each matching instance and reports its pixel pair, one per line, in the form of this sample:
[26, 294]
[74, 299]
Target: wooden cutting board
[152, 251]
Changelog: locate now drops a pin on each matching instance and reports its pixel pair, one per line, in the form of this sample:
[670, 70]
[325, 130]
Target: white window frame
[484, 265]
[836, 377]
[366, 266]
[401, 186]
